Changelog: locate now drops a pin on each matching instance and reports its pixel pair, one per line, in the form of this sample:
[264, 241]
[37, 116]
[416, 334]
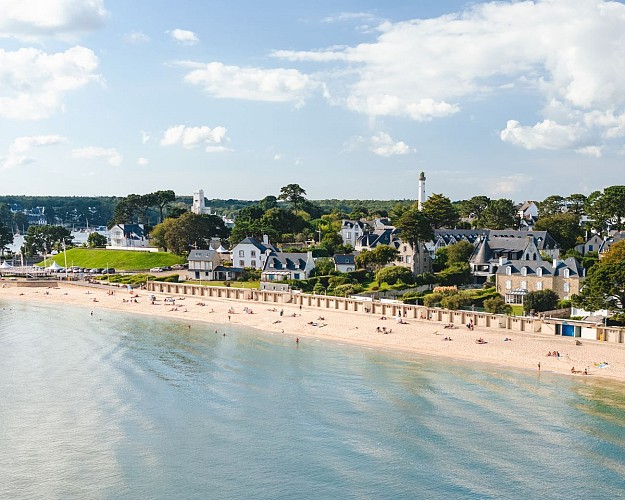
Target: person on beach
[539, 366]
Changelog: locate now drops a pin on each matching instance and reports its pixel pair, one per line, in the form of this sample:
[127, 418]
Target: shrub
[432, 299]
[393, 274]
[455, 301]
[360, 275]
[348, 289]
[540, 300]
[497, 305]
[336, 281]
[564, 304]
[172, 278]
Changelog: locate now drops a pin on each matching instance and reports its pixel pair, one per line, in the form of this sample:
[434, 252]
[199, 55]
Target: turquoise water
[123, 406]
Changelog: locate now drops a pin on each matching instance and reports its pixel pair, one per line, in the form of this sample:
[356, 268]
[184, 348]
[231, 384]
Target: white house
[344, 263]
[206, 265]
[351, 230]
[251, 253]
[291, 266]
[128, 236]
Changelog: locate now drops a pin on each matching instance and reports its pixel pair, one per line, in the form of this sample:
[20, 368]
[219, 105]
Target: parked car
[156, 270]
[166, 268]
[108, 270]
[178, 267]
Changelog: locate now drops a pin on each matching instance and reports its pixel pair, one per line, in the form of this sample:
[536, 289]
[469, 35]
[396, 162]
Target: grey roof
[544, 241]
[201, 255]
[377, 237]
[253, 241]
[482, 254]
[280, 261]
[344, 259]
[132, 231]
[574, 267]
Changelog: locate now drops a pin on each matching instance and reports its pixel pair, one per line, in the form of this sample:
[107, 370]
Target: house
[250, 252]
[614, 237]
[509, 245]
[287, 266]
[528, 213]
[128, 236]
[593, 244]
[351, 230]
[206, 265]
[344, 263]
[445, 237]
[515, 278]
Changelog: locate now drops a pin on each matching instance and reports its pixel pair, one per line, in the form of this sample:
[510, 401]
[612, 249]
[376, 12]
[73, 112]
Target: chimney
[265, 239]
[501, 260]
[555, 264]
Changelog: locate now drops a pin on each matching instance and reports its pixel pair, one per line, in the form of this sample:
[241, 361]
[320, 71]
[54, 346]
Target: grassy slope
[119, 259]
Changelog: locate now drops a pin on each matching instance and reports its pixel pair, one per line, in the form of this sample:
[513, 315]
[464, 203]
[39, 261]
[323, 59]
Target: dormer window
[566, 273]
[524, 271]
[509, 270]
[539, 272]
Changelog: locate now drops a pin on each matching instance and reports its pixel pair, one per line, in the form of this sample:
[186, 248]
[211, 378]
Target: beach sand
[522, 350]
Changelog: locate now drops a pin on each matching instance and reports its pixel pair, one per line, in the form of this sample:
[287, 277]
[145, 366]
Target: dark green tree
[414, 225]
[500, 214]
[96, 240]
[6, 238]
[607, 209]
[162, 199]
[189, 231]
[564, 227]
[540, 300]
[393, 274]
[44, 239]
[459, 252]
[552, 205]
[292, 193]
[474, 207]
[497, 305]
[440, 211]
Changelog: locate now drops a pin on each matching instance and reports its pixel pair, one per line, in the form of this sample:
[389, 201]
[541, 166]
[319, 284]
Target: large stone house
[515, 278]
[499, 246]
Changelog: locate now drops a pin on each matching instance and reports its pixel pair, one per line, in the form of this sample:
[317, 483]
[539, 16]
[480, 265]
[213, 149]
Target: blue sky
[349, 99]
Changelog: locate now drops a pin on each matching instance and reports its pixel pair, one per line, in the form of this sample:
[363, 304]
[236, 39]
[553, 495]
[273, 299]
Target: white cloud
[143, 161]
[94, 153]
[276, 85]
[383, 144]
[508, 186]
[145, 137]
[191, 137]
[33, 19]
[569, 54]
[277, 157]
[594, 151]
[22, 145]
[136, 37]
[184, 37]
[33, 83]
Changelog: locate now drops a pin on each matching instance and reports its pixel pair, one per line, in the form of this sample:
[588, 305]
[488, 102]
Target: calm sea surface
[123, 406]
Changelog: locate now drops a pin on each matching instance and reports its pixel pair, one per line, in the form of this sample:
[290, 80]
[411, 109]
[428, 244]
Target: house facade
[515, 278]
[287, 266]
[207, 265]
[250, 252]
[128, 236]
[351, 230]
[344, 263]
[592, 244]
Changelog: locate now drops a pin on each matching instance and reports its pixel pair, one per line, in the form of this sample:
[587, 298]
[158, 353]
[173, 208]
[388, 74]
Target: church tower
[421, 198]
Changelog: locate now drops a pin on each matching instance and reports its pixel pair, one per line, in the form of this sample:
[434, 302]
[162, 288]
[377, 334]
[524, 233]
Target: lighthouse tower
[421, 198]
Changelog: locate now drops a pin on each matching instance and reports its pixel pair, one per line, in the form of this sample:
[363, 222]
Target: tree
[500, 214]
[552, 205]
[162, 199]
[96, 239]
[455, 301]
[43, 239]
[474, 207]
[189, 231]
[497, 305]
[268, 202]
[393, 274]
[6, 238]
[616, 253]
[456, 274]
[564, 227]
[414, 226]
[459, 252]
[292, 193]
[604, 287]
[377, 258]
[540, 300]
[441, 213]
[323, 266]
[331, 242]
[282, 221]
[607, 209]
[575, 204]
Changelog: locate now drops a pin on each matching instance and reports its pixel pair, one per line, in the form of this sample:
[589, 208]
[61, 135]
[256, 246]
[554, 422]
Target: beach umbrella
[5, 265]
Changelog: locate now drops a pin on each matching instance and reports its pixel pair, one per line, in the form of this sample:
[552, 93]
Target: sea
[121, 406]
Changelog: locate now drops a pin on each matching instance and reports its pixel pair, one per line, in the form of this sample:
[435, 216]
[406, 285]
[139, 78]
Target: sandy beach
[520, 350]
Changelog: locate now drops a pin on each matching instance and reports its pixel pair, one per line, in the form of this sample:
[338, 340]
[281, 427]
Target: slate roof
[201, 255]
[253, 241]
[132, 231]
[574, 267]
[280, 261]
[344, 259]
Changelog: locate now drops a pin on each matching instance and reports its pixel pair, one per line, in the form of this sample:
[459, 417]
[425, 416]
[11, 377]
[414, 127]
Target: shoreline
[522, 351]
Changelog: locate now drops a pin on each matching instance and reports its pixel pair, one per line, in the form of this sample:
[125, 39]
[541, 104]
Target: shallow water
[124, 406]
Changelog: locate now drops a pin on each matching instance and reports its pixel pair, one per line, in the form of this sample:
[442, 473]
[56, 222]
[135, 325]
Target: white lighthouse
[198, 206]
[421, 198]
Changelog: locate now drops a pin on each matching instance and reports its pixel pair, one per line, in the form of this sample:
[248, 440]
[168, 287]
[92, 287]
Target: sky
[349, 99]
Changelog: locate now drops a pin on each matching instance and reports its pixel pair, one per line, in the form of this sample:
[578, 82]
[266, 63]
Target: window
[349, 269]
[296, 276]
[539, 272]
[566, 273]
[408, 259]
[253, 253]
[241, 253]
[524, 285]
[242, 263]
[590, 247]
[524, 271]
[509, 270]
[405, 248]
[348, 235]
[508, 285]
[539, 285]
[356, 235]
[253, 263]
[566, 287]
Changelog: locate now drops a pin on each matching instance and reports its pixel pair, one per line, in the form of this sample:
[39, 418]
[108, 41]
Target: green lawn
[125, 260]
[517, 310]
